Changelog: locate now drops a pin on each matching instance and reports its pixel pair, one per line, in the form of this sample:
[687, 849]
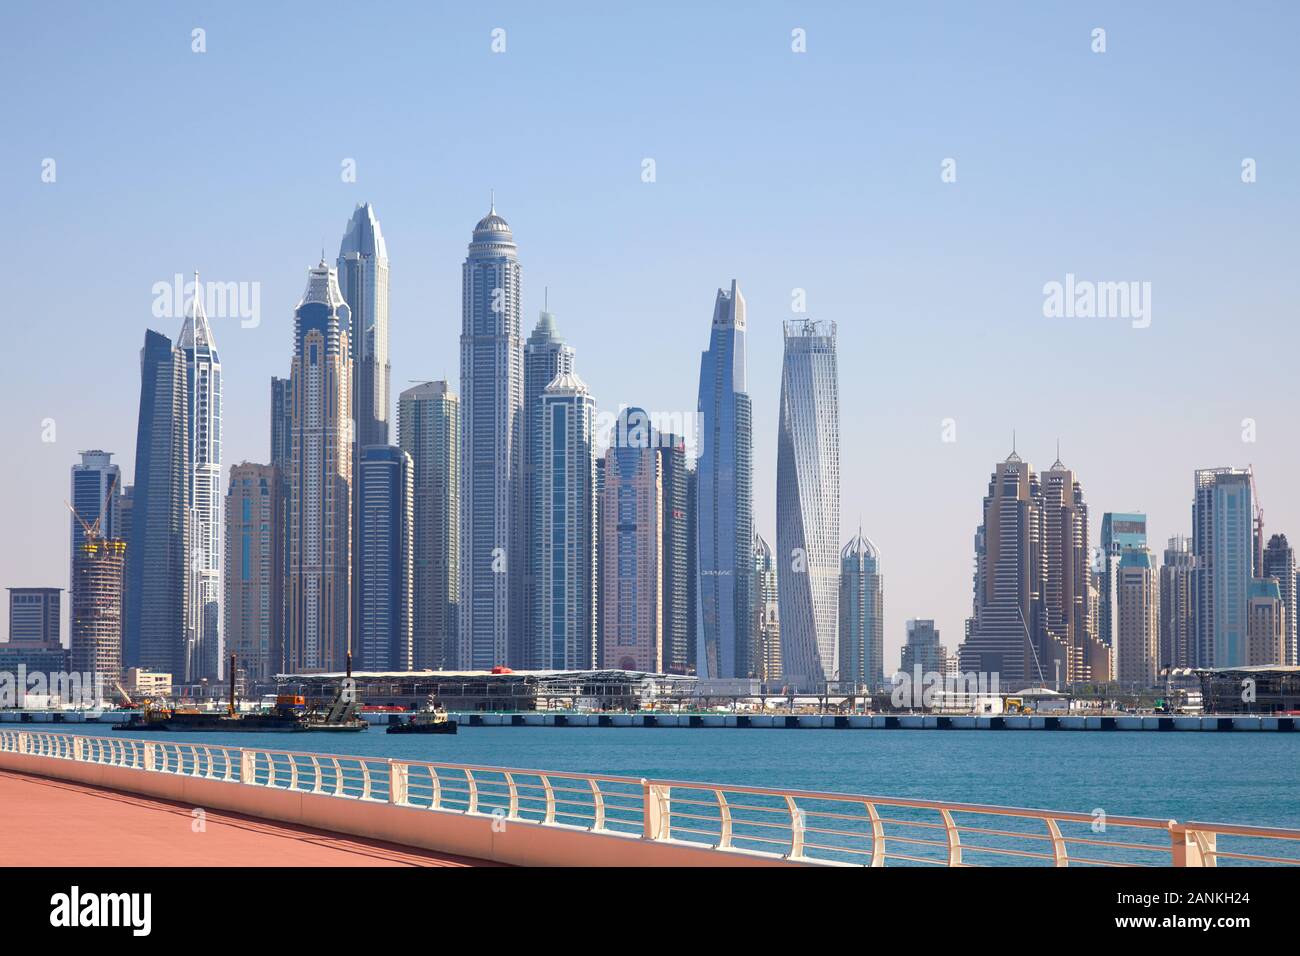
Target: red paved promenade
[45, 822]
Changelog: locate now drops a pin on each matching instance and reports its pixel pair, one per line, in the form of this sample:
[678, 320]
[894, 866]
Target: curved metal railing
[805, 826]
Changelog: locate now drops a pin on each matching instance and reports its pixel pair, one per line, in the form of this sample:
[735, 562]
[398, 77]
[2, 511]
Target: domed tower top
[492, 236]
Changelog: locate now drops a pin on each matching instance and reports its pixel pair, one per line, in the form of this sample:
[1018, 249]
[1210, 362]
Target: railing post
[79, 748]
[150, 759]
[1059, 852]
[397, 782]
[724, 812]
[22, 741]
[247, 766]
[954, 839]
[598, 805]
[654, 810]
[877, 836]
[1192, 847]
[796, 828]
[513, 812]
[550, 800]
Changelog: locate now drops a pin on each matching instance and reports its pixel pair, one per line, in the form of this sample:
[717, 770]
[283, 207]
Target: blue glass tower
[725, 516]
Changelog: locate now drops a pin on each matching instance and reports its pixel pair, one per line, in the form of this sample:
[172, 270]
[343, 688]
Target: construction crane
[92, 530]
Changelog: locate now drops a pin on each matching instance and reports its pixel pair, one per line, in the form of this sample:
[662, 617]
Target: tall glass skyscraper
[1223, 543]
[204, 653]
[363, 280]
[1279, 563]
[1071, 650]
[319, 584]
[808, 505]
[564, 561]
[546, 357]
[492, 628]
[725, 499]
[428, 426]
[631, 515]
[385, 559]
[675, 560]
[253, 610]
[158, 570]
[1119, 532]
[861, 616]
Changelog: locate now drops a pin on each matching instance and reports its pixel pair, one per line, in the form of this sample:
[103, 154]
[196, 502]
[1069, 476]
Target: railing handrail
[1190, 844]
[827, 795]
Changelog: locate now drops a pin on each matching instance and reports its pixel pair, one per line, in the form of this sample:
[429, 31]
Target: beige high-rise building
[1067, 607]
[767, 618]
[1137, 634]
[1178, 604]
[318, 589]
[631, 506]
[254, 590]
[1265, 624]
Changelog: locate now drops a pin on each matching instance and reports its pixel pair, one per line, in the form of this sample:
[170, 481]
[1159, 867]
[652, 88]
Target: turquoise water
[1248, 778]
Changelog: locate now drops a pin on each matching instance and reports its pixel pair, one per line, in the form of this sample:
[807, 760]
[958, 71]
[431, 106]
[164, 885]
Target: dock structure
[463, 812]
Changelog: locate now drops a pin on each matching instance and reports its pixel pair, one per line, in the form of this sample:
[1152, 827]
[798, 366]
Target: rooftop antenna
[492, 201]
[546, 298]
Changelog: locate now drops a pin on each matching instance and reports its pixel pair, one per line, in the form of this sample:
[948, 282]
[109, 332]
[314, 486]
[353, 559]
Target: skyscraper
[861, 617]
[923, 649]
[92, 480]
[724, 497]
[546, 356]
[254, 596]
[95, 645]
[1137, 619]
[1223, 542]
[767, 615]
[158, 583]
[808, 505]
[1004, 630]
[1279, 563]
[428, 425]
[318, 587]
[385, 559]
[675, 560]
[492, 454]
[363, 282]
[1067, 613]
[204, 655]
[632, 547]
[1119, 531]
[564, 508]
[1266, 624]
[35, 616]
[1177, 604]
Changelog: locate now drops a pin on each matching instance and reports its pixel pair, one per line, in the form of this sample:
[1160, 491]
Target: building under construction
[502, 691]
[96, 635]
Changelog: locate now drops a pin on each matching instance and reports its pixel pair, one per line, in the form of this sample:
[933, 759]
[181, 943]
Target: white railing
[808, 826]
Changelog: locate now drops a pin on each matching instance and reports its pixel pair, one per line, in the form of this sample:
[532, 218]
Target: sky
[820, 171]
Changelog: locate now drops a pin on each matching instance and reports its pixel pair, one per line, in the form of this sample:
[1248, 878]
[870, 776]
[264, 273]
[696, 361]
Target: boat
[432, 719]
[289, 715]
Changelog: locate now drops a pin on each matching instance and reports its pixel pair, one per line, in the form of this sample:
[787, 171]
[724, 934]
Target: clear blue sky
[818, 171]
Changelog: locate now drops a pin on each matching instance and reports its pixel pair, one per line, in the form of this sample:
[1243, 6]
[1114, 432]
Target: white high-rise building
[565, 512]
[492, 627]
[808, 505]
[204, 648]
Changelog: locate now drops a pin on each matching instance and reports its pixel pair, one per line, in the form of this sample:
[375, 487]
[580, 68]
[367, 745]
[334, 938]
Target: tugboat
[432, 719]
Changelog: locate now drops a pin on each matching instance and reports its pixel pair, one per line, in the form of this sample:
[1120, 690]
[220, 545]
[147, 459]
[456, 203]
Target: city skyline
[896, 333]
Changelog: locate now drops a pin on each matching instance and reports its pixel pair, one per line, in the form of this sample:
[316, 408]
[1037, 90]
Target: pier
[463, 812]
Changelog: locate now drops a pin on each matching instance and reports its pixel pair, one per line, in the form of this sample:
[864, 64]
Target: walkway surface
[46, 822]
